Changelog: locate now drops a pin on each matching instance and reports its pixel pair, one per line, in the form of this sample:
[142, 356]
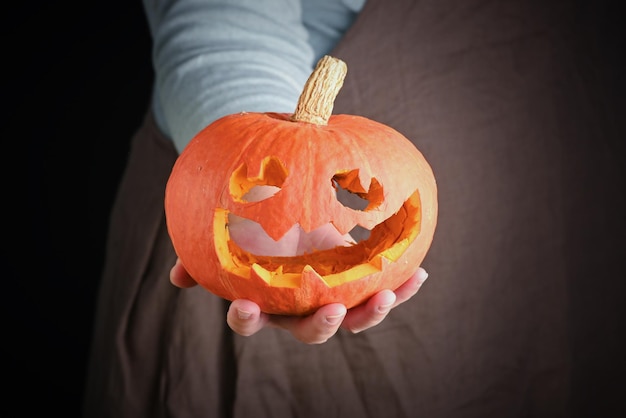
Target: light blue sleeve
[216, 57]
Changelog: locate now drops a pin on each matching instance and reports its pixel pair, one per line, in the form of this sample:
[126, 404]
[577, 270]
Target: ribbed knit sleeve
[216, 57]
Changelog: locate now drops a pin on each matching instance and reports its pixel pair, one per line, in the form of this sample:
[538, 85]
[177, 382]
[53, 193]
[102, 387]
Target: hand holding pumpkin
[245, 317]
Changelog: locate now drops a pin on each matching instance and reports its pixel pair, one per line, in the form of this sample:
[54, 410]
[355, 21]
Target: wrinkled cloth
[494, 96]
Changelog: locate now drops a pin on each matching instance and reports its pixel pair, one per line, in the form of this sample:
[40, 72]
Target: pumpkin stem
[316, 101]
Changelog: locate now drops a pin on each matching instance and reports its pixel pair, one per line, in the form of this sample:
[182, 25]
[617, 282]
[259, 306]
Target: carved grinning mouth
[387, 241]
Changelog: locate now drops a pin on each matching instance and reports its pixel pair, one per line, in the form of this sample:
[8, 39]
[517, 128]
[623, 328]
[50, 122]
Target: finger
[316, 328]
[378, 307]
[409, 288]
[179, 276]
[371, 313]
[245, 318]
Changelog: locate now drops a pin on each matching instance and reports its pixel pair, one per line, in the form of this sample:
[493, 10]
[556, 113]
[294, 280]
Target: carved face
[309, 168]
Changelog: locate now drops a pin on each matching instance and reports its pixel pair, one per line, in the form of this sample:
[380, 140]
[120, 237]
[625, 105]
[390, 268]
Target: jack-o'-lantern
[306, 159]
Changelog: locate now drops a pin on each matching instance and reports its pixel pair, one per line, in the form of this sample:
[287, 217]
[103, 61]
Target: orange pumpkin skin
[239, 151]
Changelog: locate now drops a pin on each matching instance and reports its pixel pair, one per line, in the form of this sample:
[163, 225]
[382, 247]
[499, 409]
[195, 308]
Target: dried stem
[317, 99]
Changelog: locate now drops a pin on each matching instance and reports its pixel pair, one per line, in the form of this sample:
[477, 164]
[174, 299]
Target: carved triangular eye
[262, 186]
[352, 194]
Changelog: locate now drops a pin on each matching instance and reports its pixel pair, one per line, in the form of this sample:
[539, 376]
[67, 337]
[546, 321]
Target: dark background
[76, 82]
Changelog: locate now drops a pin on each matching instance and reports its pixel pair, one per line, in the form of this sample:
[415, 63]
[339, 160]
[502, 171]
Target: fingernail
[423, 275]
[334, 319]
[241, 314]
[385, 308]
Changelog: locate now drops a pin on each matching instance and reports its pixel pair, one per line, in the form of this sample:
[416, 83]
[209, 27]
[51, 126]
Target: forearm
[216, 57]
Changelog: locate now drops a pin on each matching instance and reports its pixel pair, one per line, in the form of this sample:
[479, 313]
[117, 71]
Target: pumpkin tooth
[263, 273]
[309, 275]
[275, 278]
[378, 262]
[394, 252]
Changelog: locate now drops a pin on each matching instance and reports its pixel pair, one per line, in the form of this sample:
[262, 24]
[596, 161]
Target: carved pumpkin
[307, 158]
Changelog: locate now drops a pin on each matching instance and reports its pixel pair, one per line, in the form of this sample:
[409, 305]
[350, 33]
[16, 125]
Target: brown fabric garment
[141, 319]
[490, 93]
